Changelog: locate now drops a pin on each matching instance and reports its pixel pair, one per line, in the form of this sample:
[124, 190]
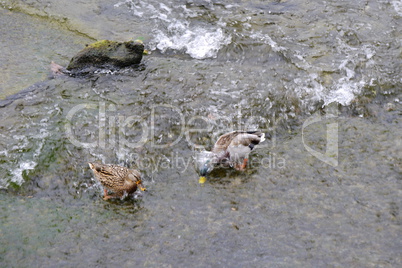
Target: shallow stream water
[322, 79]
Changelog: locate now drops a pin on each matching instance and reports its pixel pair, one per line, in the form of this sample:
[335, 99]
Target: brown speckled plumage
[118, 179]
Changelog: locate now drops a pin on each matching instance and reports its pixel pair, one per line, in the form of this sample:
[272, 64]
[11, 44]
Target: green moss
[101, 44]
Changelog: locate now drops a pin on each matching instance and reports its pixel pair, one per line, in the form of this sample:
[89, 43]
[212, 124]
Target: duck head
[205, 170]
[206, 162]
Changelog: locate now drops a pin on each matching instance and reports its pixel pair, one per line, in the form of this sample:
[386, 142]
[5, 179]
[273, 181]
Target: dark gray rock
[107, 54]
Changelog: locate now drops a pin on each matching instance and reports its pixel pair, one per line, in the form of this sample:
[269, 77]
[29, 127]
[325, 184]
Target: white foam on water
[345, 90]
[348, 87]
[344, 94]
[17, 173]
[268, 40]
[175, 32]
[132, 6]
[198, 42]
[26, 161]
[397, 6]
[310, 87]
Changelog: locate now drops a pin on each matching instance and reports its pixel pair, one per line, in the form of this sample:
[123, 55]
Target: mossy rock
[107, 54]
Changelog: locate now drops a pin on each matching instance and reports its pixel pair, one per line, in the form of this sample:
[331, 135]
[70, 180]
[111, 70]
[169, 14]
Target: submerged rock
[107, 54]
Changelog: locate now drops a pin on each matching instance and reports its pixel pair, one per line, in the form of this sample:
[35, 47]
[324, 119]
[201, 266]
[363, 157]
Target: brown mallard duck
[118, 179]
[231, 149]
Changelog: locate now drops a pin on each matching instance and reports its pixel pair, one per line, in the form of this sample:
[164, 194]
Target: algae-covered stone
[107, 53]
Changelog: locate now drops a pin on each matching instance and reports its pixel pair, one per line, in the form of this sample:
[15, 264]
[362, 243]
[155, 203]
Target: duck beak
[202, 179]
[142, 188]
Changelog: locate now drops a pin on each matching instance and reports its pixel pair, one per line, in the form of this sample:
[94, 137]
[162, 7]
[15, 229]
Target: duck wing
[239, 142]
[224, 141]
[111, 176]
[247, 139]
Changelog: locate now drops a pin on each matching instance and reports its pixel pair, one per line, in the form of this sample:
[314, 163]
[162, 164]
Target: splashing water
[17, 173]
[179, 34]
[199, 43]
[397, 6]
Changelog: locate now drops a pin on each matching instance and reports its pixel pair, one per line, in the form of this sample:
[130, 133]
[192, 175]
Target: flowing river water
[322, 78]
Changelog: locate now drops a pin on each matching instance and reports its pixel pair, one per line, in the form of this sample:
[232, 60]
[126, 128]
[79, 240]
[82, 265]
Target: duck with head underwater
[230, 150]
[118, 179]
